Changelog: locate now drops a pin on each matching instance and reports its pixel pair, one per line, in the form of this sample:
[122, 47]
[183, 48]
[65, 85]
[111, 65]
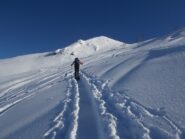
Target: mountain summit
[88, 47]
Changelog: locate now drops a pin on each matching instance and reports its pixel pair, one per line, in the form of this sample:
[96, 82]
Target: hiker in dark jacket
[76, 64]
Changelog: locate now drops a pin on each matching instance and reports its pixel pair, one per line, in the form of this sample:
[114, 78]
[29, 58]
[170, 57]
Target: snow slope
[126, 91]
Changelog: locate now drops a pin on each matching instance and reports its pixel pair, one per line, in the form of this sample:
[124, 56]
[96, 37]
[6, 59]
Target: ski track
[60, 119]
[17, 84]
[38, 78]
[74, 124]
[11, 85]
[120, 112]
[66, 122]
[109, 120]
[30, 88]
[70, 112]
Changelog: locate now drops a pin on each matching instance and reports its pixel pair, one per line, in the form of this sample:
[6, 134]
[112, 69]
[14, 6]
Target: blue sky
[31, 26]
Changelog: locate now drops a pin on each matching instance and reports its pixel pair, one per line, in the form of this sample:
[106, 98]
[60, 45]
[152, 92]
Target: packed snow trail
[88, 117]
[108, 120]
[79, 118]
[84, 114]
[65, 124]
[60, 119]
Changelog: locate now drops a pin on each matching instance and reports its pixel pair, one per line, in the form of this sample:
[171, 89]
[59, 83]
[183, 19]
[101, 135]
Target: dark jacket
[76, 64]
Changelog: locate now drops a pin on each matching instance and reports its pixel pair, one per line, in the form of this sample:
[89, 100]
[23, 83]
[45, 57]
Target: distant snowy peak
[103, 41]
[88, 47]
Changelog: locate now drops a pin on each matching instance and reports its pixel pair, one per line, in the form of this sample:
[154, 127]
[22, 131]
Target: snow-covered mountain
[79, 49]
[92, 46]
[126, 91]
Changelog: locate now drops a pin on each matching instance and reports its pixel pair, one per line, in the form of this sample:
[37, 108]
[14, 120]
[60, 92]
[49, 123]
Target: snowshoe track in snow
[92, 110]
[78, 116]
[128, 115]
[66, 122]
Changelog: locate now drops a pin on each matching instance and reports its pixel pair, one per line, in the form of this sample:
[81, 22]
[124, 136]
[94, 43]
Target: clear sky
[31, 26]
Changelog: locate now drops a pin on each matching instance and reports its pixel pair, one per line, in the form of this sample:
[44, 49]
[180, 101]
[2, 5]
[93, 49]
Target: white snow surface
[126, 91]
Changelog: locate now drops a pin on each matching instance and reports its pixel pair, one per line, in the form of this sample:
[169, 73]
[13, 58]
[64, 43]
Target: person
[76, 64]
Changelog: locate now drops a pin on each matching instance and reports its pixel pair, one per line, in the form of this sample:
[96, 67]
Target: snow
[126, 91]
